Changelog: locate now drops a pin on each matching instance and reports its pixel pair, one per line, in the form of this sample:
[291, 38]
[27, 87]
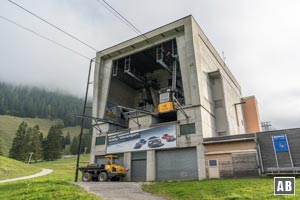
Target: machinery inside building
[146, 82]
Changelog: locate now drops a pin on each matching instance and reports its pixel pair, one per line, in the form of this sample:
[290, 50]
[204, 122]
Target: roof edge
[142, 35]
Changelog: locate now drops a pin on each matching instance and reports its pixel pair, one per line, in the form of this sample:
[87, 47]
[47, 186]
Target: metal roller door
[138, 166]
[177, 164]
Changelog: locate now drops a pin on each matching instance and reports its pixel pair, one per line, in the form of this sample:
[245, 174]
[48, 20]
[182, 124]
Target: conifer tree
[52, 146]
[1, 154]
[74, 146]
[19, 146]
[35, 145]
[67, 139]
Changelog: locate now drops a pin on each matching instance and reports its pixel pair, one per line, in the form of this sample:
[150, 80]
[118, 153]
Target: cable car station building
[159, 98]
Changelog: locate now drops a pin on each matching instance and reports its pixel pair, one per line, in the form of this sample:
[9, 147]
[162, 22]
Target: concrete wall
[208, 60]
[121, 94]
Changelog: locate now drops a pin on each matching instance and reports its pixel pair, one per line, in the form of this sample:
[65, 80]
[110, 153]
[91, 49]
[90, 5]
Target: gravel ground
[118, 190]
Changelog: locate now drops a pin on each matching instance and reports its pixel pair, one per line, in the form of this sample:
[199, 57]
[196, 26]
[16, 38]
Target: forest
[24, 101]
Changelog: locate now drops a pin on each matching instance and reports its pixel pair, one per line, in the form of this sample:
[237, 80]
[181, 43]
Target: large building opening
[146, 82]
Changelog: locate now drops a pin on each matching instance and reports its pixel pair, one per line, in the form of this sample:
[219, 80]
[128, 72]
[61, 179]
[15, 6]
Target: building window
[212, 163]
[100, 140]
[219, 103]
[187, 129]
[222, 133]
[164, 97]
[141, 155]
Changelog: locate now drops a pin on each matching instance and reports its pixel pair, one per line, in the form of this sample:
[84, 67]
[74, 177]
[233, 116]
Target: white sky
[261, 41]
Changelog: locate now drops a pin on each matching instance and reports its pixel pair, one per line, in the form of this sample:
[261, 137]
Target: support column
[127, 164]
[151, 165]
[201, 162]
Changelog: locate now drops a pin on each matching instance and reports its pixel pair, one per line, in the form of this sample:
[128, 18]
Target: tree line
[30, 141]
[1, 153]
[24, 101]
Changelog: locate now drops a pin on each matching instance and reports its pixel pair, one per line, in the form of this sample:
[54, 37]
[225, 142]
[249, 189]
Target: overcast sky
[260, 39]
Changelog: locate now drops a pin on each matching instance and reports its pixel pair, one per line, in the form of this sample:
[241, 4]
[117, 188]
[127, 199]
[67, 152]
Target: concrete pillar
[201, 162]
[127, 164]
[151, 166]
[92, 154]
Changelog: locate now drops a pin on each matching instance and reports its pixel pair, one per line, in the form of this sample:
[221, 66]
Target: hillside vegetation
[9, 126]
[10, 168]
[33, 102]
[54, 186]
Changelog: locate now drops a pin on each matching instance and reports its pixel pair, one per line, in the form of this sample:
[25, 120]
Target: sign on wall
[280, 143]
[139, 140]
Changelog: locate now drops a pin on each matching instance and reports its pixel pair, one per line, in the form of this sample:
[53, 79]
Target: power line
[123, 18]
[44, 37]
[56, 27]
[106, 7]
[116, 13]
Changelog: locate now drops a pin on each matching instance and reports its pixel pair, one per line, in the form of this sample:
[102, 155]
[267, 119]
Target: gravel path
[117, 190]
[42, 173]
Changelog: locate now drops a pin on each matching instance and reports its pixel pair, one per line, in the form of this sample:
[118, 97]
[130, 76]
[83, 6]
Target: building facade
[157, 96]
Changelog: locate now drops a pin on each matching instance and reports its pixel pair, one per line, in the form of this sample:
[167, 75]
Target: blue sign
[280, 143]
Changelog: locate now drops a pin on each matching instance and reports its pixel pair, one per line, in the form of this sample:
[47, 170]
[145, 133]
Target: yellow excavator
[110, 170]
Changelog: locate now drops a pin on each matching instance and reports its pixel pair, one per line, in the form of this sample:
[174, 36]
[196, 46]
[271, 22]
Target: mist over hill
[25, 101]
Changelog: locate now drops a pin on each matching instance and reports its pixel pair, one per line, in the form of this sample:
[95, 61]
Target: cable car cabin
[166, 107]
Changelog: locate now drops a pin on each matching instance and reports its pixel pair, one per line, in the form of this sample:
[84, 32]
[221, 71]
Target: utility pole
[82, 120]
[266, 126]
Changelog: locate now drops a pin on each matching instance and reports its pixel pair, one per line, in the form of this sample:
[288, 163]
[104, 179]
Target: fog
[260, 40]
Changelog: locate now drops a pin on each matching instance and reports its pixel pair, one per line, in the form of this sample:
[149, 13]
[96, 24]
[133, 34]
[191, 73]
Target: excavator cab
[112, 165]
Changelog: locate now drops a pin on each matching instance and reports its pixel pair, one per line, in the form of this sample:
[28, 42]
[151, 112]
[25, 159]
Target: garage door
[178, 164]
[138, 166]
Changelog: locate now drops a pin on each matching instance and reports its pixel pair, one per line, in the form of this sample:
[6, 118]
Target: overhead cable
[51, 24]
[44, 37]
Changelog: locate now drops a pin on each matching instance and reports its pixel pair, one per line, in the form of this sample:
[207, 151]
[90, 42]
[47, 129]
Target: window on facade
[212, 163]
[140, 155]
[187, 129]
[100, 140]
[164, 97]
[222, 133]
[219, 103]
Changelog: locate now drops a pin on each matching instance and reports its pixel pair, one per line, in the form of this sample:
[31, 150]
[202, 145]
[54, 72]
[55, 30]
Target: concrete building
[159, 95]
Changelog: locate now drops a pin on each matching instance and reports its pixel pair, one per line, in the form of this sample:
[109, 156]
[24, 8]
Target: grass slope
[256, 188]
[10, 168]
[53, 186]
[9, 125]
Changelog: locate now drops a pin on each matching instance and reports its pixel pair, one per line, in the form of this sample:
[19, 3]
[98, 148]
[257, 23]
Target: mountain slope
[9, 125]
[10, 168]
